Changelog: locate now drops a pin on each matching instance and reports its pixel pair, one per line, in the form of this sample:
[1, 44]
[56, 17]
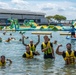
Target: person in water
[72, 31]
[32, 45]
[47, 48]
[29, 54]
[55, 42]
[8, 40]
[10, 34]
[68, 55]
[3, 60]
[4, 33]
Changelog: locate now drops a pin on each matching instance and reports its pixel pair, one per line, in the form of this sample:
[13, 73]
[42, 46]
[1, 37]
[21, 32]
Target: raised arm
[9, 61]
[38, 40]
[57, 50]
[23, 41]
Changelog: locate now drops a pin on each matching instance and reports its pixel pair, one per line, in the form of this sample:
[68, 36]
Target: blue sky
[50, 7]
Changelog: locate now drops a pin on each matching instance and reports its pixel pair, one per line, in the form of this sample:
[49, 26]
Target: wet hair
[68, 44]
[10, 33]
[45, 36]
[27, 46]
[2, 56]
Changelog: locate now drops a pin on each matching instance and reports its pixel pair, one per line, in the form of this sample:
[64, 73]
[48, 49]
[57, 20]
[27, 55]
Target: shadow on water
[48, 63]
[48, 66]
[67, 70]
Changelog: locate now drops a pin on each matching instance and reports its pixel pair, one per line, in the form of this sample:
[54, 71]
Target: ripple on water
[37, 66]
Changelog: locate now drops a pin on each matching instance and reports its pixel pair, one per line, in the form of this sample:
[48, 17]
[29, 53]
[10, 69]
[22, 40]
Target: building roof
[16, 11]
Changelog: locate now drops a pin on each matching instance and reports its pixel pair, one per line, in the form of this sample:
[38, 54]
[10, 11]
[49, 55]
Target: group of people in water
[47, 48]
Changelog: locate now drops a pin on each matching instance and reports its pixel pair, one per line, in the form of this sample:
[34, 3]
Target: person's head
[4, 33]
[10, 34]
[68, 46]
[46, 39]
[27, 48]
[27, 37]
[55, 42]
[31, 41]
[3, 58]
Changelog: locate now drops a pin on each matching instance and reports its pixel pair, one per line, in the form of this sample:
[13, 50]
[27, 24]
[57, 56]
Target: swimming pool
[37, 66]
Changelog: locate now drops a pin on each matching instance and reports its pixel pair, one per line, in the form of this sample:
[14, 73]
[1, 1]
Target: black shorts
[73, 33]
[46, 56]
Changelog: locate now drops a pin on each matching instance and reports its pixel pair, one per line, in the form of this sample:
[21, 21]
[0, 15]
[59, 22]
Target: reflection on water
[37, 66]
[2, 67]
[48, 63]
[69, 70]
[48, 66]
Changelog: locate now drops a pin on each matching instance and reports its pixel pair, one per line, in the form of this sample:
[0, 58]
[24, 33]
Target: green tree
[59, 18]
[49, 17]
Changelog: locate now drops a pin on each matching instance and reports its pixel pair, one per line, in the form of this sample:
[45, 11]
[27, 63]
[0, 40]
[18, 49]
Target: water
[37, 66]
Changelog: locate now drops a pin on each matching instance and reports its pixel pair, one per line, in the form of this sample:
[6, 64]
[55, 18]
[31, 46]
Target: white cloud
[72, 8]
[4, 5]
[46, 5]
[19, 2]
[65, 8]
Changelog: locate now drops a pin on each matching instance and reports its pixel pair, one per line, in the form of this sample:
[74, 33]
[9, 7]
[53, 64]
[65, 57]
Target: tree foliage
[59, 18]
[49, 17]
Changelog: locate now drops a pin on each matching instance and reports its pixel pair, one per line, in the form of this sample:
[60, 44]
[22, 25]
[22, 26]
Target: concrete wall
[4, 16]
[39, 18]
[44, 21]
